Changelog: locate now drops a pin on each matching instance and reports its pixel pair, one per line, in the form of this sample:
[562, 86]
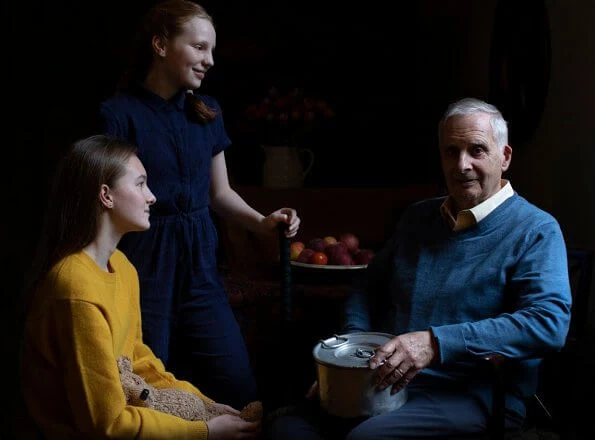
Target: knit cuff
[198, 430]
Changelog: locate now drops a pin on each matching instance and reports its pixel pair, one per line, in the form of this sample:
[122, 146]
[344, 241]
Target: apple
[342, 259]
[305, 255]
[319, 258]
[317, 244]
[363, 256]
[334, 249]
[328, 240]
[350, 240]
[295, 249]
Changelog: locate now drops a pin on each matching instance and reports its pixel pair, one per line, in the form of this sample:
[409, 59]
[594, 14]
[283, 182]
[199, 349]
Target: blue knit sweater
[500, 286]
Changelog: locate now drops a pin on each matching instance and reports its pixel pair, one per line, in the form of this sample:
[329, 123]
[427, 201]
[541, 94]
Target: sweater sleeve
[93, 386]
[150, 368]
[364, 299]
[539, 286]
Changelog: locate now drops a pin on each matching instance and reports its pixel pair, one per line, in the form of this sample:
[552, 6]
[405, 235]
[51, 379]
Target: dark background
[358, 59]
[389, 69]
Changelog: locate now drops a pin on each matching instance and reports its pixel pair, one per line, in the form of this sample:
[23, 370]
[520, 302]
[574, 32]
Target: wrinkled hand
[283, 215]
[400, 359]
[230, 427]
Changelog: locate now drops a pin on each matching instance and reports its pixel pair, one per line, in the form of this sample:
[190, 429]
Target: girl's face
[131, 199]
[189, 55]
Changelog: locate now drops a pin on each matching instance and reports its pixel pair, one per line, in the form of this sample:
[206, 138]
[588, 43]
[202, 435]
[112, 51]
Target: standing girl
[187, 319]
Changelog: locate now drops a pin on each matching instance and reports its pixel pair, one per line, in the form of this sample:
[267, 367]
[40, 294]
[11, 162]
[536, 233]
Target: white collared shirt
[469, 217]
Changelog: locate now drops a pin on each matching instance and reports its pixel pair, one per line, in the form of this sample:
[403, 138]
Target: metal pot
[347, 385]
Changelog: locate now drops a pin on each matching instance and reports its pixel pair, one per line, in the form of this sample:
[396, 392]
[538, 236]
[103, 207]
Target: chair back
[580, 264]
[552, 404]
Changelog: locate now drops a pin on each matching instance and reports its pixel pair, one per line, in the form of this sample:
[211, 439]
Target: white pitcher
[283, 166]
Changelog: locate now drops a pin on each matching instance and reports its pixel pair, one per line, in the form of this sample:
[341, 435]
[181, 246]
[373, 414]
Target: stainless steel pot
[347, 385]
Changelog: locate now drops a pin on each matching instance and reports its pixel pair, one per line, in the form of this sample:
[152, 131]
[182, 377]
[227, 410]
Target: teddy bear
[173, 401]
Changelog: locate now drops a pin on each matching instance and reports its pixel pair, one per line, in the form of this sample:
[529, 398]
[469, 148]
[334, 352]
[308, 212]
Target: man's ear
[159, 45]
[507, 153]
[105, 196]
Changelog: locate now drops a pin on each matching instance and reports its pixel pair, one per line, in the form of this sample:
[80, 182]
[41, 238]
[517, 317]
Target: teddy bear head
[137, 391]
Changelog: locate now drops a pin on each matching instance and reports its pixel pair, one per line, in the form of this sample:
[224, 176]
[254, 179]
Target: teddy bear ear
[124, 364]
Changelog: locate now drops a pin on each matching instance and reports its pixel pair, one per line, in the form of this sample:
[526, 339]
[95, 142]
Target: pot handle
[364, 354]
[340, 340]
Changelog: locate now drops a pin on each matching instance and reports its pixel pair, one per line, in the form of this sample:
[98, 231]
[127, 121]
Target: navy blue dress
[186, 318]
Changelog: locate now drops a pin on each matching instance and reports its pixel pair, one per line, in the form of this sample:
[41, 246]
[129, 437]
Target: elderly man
[479, 272]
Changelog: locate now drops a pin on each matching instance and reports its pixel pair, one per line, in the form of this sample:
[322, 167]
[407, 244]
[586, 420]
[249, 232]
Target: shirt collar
[157, 102]
[469, 217]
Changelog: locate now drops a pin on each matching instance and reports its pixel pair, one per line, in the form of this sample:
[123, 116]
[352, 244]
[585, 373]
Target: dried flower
[286, 118]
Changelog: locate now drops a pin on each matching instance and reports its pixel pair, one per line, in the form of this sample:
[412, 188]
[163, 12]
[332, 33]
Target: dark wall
[360, 61]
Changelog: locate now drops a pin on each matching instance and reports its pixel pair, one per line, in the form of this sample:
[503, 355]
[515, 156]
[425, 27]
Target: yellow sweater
[81, 320]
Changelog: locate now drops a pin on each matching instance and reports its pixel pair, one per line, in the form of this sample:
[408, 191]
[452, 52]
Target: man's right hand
[399, 360]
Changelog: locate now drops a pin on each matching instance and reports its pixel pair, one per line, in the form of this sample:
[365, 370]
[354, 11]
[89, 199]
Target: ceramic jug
[284, 166]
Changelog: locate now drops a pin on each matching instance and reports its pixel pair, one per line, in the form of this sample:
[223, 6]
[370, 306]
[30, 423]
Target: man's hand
[400, 359]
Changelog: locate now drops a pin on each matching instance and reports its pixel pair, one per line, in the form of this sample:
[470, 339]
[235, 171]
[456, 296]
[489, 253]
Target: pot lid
[350, 350]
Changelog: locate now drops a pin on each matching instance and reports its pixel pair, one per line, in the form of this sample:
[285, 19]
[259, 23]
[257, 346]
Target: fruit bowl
[325, 274]
[328, 266]
[328, 258]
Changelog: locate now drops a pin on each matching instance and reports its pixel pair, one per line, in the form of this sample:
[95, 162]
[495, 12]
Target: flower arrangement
[286, 118]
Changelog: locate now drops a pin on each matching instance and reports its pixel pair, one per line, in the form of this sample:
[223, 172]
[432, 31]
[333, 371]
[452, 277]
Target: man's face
[472, 162]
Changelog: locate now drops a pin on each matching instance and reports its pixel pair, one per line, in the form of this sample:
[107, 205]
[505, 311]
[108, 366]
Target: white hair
[468, 106]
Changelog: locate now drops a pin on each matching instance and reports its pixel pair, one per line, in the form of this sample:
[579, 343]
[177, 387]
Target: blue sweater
[500, 286]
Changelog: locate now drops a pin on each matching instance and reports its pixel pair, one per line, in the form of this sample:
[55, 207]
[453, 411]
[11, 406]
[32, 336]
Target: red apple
[363, 256]
[305, 255]
[334, 249]
[342, 259]
[317, 244]
[350, 240]
[319, 258]
[295, 249]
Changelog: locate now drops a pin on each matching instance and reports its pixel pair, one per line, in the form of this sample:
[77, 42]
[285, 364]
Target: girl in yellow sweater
[84, 309]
